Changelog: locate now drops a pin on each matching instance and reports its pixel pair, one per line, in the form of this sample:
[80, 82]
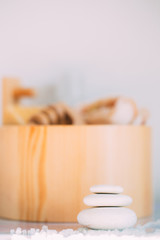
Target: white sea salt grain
[18, 231]
[67, 232]
[149, 231]
[45, 228]
[24, 232]
[12, 231]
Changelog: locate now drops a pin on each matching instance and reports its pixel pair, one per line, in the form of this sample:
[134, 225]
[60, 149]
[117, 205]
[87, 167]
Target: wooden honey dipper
[58, 113]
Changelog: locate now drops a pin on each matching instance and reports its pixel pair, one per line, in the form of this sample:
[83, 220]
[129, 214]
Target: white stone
[107, 200]
[106, 218]
[106, 189]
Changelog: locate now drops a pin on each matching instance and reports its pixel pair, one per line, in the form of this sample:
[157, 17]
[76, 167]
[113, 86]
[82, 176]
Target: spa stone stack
[108, 209]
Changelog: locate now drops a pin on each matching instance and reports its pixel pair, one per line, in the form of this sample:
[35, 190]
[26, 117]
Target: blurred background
[81, 50]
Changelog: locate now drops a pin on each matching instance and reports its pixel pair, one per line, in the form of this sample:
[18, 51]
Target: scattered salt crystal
[18, 231]
[52, 231]
[12, 231]
[24, 232]
[67, 232]
[44, 228]
[148, 231]
[28, 232]
[32, 231]
[83, 230]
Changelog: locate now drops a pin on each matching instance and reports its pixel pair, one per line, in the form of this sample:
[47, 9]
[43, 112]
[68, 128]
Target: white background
[91, 48]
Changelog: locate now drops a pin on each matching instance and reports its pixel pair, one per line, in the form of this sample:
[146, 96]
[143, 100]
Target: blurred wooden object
[49, 169]
[13, 111]
[22, 92]
[8, 87]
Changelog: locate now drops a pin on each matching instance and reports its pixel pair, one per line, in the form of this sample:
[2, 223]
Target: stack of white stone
[108, 209]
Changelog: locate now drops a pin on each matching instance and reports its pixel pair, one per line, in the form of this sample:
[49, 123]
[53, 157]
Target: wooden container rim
[78, 126]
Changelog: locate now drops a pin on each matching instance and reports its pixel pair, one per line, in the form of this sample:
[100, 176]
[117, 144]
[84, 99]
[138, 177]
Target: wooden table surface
[7, 225]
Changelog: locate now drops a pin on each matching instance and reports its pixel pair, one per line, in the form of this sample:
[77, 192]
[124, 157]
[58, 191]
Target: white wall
[111, 46]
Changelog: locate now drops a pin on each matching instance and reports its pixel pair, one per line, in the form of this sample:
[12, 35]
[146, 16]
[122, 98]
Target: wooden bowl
[47, 170]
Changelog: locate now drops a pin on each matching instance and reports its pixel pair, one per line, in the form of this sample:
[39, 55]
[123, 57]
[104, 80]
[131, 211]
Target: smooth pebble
[107, 218]
[106, 189]
[107, 200]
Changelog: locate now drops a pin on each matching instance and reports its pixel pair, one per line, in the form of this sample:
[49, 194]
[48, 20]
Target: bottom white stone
[107, 218]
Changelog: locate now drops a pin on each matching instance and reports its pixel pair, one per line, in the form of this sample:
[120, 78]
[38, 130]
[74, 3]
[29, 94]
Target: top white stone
[106, 189]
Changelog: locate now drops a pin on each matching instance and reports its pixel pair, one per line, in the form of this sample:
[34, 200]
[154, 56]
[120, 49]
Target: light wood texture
[47, 170]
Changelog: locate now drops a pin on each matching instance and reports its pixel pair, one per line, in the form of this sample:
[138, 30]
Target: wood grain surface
[47, 170]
